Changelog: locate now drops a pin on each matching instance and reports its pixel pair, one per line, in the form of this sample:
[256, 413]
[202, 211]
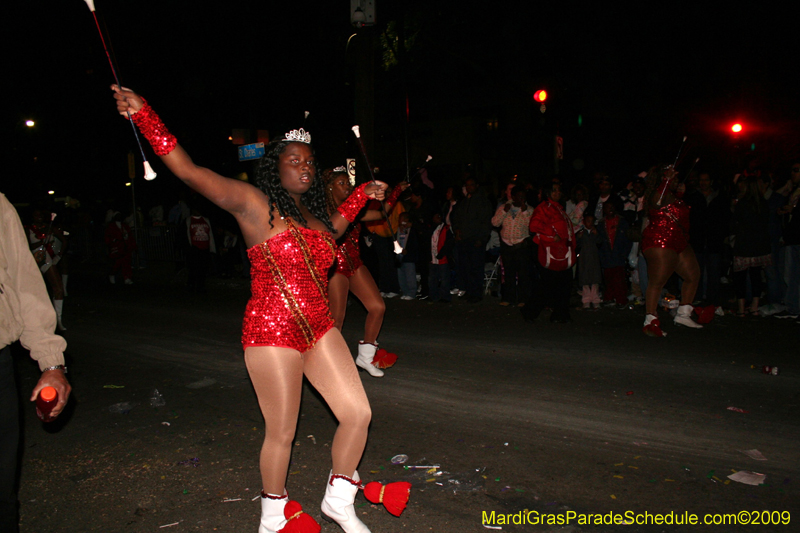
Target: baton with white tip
[357, 131]
[149, 173]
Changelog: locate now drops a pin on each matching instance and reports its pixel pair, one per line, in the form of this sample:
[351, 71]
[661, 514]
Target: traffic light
[540, 96]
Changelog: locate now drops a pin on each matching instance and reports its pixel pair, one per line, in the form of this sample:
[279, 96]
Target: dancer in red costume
[47, 243]
[351, 274]
[288, 331]
[665, 245]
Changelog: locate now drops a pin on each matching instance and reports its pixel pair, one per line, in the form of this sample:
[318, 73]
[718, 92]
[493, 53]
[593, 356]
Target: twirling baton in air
[357, 131]
[149, 173]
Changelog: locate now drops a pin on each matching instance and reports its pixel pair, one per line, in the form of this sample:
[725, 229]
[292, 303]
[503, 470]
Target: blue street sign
[251, 151]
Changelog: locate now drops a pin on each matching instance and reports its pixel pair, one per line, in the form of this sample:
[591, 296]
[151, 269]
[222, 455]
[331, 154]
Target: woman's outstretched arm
[231, 195]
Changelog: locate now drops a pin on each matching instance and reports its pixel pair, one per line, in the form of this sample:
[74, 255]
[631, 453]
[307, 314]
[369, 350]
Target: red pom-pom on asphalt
[384, 359]
[393, 496]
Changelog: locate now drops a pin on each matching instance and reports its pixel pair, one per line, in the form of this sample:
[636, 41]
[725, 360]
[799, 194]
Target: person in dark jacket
[751, 248]
[709, 223]
[472, 224]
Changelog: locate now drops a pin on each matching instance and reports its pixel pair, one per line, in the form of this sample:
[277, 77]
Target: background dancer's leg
[338, 287]
[365, 289]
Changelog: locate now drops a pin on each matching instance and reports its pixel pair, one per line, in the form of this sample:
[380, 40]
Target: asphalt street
[549, 422]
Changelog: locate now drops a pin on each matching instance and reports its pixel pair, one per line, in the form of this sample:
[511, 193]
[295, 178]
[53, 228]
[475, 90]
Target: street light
[30, 123]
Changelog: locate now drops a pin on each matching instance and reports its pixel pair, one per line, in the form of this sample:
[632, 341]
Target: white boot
[684, 317]
[59, 307]
[272, 518]
[366, 353]
[340, 493]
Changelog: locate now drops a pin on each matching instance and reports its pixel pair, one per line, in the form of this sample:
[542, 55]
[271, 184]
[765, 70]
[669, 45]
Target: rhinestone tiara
[340, 169]
[300, 136]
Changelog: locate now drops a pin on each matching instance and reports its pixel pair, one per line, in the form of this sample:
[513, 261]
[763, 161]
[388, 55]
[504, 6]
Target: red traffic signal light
[737, 128]
[540, 96]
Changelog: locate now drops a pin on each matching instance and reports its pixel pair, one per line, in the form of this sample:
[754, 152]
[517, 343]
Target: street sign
[251, 151]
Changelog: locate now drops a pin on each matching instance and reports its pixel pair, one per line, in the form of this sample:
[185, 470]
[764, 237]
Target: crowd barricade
[161, 243]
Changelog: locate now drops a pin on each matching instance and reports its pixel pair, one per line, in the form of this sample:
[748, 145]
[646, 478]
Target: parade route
[588, 418]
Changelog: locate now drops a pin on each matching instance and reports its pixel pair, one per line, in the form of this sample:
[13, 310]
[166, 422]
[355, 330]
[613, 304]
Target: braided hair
[268, 179]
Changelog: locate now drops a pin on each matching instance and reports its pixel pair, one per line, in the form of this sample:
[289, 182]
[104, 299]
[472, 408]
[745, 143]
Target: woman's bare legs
[330, 369]
[363, 286]
[689, 269]
[338, 287]
[277, 377]
[661, 263]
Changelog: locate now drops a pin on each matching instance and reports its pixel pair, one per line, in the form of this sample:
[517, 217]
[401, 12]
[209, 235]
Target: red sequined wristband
[392, 199]
[354, 203]
[156, 133]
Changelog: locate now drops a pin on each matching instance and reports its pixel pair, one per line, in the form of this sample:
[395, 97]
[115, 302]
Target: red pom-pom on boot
[393, 496]
[298, 521]
[384, 359]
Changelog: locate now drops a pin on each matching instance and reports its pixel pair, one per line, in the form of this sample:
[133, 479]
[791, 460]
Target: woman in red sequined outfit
[665, 246]
[351, 274]
[288, 331]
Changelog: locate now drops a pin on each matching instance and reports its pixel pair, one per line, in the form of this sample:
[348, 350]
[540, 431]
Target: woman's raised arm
[231, 195]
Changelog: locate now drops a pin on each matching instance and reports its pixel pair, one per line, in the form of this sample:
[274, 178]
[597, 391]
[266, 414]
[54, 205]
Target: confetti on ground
[738, 410]
[169, 525]
[754, 454]
[492, 527]
[613, 497]
[114, 387]
[257, 497]
[313, 440]
[619, 477]
[232, 500]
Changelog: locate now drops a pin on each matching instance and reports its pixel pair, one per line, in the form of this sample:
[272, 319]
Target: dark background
[639, 79]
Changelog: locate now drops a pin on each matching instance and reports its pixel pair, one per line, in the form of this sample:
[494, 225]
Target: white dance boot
[684, 317]
[272, 519]
[366, 353]
[337, 506]
[59, 307]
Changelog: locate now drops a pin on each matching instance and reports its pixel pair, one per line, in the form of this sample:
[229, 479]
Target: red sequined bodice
[289, 302]
[668, 227]
[348, 254]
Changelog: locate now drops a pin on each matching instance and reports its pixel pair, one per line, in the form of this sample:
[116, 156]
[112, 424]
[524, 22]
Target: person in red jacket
[555, 237]
[121, 244]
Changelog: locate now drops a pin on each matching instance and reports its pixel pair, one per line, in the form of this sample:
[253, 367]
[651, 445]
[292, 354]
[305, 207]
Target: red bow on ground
[393, 496]
[384, 359]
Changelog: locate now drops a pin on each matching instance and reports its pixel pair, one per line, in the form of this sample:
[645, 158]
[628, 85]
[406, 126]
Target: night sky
[640, 80]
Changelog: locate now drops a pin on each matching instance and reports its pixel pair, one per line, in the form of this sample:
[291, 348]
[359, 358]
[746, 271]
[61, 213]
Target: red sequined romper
[668, 227]
[348, 254]
[289, 302]
[288, 306]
